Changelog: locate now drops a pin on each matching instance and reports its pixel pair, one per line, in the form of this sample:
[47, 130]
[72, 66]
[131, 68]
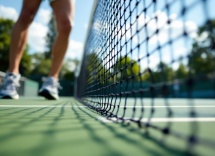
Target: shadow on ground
[72, 131]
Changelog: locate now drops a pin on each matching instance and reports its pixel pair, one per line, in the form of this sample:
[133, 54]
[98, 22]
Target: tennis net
[142, 52]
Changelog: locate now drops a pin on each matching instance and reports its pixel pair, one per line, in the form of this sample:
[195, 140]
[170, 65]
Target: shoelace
[53, 83]
[10, 80]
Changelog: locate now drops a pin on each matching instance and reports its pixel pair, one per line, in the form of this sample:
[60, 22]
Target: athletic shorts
[55, 0]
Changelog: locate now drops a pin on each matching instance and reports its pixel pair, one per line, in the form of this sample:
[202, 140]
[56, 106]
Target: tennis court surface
[34, 126]
[145, 86]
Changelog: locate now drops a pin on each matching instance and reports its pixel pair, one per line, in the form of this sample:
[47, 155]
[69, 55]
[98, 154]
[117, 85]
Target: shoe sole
[16, 97]
[47, 95]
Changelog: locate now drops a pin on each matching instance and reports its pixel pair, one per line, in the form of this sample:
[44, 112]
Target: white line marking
[115, 107]
[164, 119]
[166, 106]
[40, 106]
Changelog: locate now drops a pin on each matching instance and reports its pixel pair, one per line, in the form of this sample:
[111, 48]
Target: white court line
[40, 106]
[164, 119]
[116, 106]
[167, 106]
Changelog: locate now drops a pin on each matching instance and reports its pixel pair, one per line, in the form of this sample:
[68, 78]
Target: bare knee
[64, 27]
[27, 15]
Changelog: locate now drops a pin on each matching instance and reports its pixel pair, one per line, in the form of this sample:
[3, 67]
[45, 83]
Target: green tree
[6, 26]
[69, 76]
[129, 68]
[50, 37]
[163, 73]
[41, 66]
[5, 31]
[68, 68]
[181, 72]
[95, 70]
[25, 64]
[202, 60]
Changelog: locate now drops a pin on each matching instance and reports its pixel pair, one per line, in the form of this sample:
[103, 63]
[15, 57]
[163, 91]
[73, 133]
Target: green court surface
[36, 127]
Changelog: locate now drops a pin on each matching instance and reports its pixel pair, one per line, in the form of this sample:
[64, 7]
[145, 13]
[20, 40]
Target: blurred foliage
[50, 37]
[181, 72]
[6, 26]
[202, 59]
[95, 69]
[128, 67]
[69, 76]
[5, 32]
[41, 66]
[68, 67]
[25, 66]
[162, 74]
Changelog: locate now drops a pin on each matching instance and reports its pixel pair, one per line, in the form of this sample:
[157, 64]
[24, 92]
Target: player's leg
[17, 45]
[64, 12]
[20, 33]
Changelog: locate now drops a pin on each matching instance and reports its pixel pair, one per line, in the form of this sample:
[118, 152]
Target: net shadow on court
[133, 142]
[70, 127]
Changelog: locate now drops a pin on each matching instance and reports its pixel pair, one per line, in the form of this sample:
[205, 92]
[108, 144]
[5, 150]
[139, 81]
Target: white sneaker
[9, 86]
[50, 88]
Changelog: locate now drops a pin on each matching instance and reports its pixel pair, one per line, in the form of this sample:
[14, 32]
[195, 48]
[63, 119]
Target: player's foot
[9, 86]
[50, 88]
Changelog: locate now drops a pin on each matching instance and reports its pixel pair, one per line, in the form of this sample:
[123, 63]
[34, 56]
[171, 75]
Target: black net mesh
[141, 54]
